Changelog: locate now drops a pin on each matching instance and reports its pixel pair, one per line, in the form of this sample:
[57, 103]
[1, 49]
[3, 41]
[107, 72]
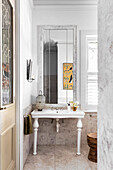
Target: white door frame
[19, 115]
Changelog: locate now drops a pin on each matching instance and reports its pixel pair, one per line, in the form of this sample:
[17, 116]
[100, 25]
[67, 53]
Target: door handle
[3, 108]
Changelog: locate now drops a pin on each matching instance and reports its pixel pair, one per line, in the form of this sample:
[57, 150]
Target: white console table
[57, 114]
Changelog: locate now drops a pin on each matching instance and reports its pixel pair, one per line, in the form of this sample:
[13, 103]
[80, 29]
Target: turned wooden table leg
[35, 126]
[79, 129]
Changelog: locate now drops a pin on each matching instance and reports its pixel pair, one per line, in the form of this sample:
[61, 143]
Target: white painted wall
[25, 49]
[85, 17]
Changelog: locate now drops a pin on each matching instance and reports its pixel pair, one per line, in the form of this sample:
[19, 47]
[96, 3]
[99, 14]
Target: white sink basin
[57, 114]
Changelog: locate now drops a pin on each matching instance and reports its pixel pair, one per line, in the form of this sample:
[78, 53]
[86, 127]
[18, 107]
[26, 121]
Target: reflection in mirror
[7, 53]
[57, 47]
[50, 72]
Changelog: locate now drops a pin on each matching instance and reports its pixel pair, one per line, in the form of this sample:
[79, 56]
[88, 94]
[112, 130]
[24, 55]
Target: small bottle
[68, 106]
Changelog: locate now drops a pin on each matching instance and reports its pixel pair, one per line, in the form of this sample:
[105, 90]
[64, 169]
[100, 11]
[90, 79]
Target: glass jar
[40, 101]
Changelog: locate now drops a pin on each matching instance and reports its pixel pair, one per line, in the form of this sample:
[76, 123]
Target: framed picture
[68, 76]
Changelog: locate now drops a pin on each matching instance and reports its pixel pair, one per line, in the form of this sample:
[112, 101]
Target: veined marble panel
[105, 109]
[52, 106]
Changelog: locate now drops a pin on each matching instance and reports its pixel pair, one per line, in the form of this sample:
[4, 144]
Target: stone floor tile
[59, 158]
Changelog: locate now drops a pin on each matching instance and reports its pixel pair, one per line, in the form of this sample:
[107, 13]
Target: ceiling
[64, 2]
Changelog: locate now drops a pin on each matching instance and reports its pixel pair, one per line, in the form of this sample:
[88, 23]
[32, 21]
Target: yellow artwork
[68, 76]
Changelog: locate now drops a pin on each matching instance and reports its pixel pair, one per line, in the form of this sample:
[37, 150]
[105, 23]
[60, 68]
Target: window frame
[93, 35]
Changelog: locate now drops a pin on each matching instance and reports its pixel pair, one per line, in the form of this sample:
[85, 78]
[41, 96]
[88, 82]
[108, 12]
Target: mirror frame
[40, 35]
[13, 14]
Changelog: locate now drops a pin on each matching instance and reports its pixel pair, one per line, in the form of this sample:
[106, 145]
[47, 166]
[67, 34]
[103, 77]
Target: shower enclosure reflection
[50, 72]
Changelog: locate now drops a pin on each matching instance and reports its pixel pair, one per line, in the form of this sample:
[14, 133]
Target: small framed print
[68, 76]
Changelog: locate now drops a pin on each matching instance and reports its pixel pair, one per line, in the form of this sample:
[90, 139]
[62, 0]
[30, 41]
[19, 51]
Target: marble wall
[68, 131]
[105, 109]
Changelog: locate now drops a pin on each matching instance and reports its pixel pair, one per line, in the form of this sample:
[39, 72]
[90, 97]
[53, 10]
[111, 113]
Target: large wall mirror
[57, 73]
[6, 54]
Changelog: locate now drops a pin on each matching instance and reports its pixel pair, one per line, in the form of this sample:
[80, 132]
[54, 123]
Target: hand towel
[28, 125]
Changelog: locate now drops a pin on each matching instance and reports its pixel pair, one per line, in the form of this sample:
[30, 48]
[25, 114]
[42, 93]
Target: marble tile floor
[59, 158]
